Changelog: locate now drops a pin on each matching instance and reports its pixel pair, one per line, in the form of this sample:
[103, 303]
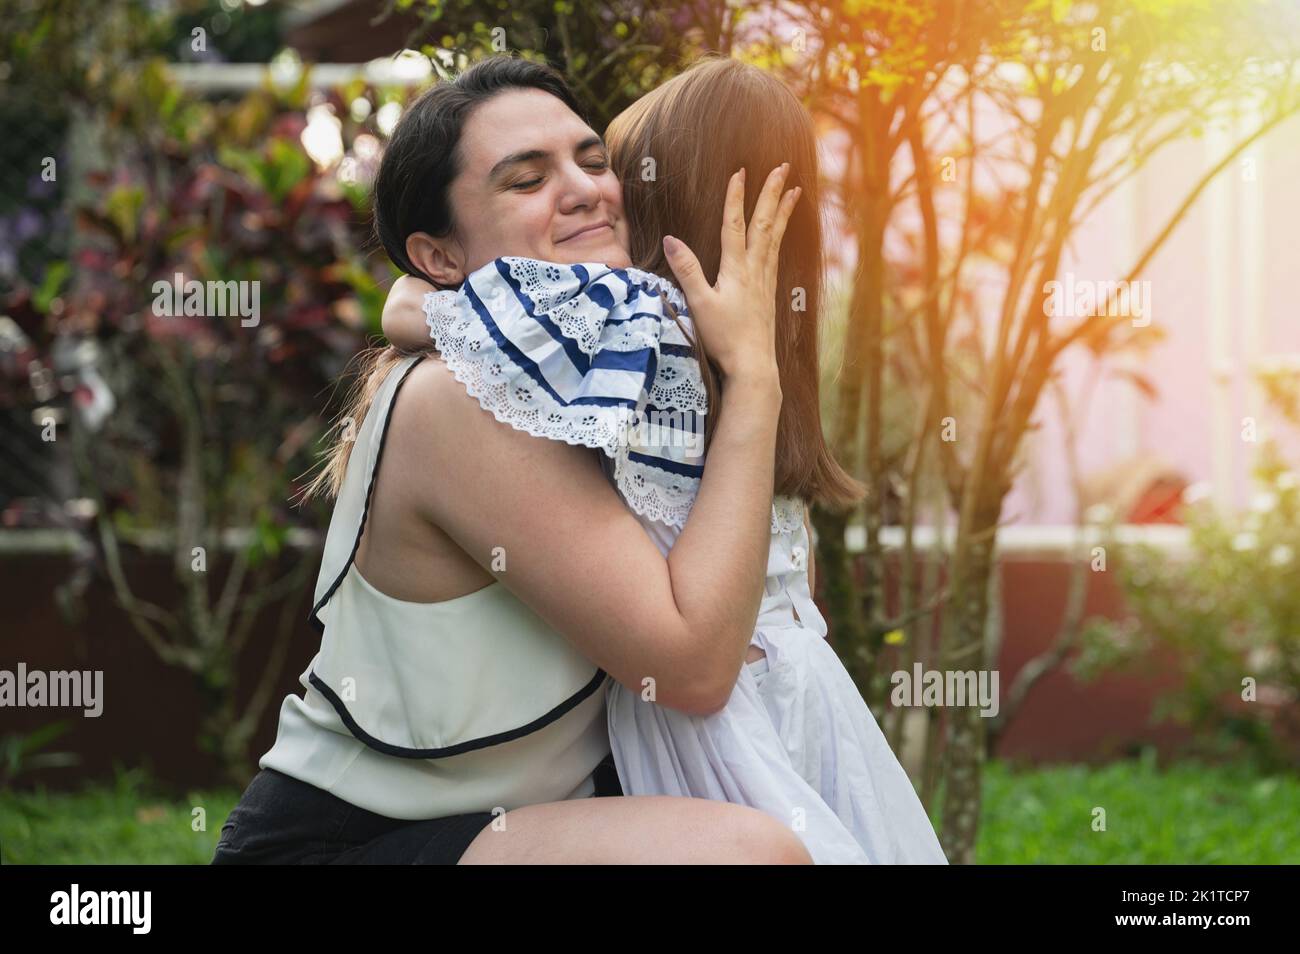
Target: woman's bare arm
[542, 517]
[571, 549]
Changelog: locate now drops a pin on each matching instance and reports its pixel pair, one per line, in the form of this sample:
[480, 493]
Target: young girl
[607, 358]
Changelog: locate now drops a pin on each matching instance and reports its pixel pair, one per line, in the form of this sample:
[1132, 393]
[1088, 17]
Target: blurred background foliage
[1224, 615]
[188, 434]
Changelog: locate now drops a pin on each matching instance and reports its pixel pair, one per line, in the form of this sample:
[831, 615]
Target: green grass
[122, 822]
[1189, 813]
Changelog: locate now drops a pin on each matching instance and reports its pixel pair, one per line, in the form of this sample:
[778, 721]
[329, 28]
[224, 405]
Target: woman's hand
[736, 318]
[403, 318]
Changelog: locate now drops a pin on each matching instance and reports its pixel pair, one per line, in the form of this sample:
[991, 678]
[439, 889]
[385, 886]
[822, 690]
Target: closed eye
[599, 164]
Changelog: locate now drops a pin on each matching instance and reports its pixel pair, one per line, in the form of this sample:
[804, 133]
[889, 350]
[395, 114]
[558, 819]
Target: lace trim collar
[588, 355]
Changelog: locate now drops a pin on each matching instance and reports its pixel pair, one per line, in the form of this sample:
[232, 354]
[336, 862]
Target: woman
[795, 739]
[471, 584]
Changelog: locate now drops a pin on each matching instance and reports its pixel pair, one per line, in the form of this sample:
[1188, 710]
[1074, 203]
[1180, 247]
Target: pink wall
[1235, 254]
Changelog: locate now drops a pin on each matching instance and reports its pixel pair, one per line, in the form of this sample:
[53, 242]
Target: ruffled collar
[588, 355]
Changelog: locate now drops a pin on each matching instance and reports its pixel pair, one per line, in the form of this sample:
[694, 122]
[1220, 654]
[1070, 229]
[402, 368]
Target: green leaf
[123, 209]
[55, 278]
[287, 166]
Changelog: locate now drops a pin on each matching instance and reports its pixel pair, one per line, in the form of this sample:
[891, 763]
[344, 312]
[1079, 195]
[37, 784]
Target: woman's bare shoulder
[437, 419]
[430, 375]
[431, 416]
[429, 396]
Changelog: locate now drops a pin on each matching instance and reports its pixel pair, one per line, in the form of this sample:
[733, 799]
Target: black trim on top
[402, 751]
[448, 750]
[365, 511]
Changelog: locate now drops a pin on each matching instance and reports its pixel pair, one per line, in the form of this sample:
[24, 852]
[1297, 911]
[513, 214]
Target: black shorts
[283, 821]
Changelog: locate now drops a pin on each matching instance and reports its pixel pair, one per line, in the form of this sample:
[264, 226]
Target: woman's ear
[442, 259]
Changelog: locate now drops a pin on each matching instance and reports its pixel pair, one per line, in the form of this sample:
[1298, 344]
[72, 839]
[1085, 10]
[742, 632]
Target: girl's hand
[736, 318]
[403, 318]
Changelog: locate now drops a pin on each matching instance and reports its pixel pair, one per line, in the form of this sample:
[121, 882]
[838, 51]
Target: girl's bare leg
[646, 829]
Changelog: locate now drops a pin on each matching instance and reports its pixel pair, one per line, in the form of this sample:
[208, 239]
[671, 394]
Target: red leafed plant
[191, 431]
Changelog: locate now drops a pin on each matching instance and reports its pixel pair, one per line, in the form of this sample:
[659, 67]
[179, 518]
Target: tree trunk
[964, 648]
[848, 621]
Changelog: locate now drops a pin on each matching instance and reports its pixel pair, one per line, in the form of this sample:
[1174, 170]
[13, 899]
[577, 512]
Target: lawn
[1189, 813]
[122, 822]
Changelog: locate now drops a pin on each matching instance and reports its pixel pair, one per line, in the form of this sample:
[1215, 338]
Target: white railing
[242, 77]
[1045, 540]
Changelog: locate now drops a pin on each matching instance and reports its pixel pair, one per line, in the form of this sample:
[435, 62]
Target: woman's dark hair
[410, 195]
[422, 156]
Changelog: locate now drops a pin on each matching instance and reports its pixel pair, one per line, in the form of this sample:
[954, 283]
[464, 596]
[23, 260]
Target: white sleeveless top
[420, 710]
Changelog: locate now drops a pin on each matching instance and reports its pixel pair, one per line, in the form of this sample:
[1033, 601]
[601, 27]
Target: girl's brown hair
[674, 151]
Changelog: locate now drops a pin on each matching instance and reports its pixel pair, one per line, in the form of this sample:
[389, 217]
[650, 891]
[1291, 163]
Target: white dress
[589, 355]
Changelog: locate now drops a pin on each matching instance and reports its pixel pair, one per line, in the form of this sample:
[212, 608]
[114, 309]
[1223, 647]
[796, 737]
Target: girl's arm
[403, 317]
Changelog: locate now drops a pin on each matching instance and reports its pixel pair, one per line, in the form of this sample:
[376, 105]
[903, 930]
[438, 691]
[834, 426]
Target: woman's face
[535, 182]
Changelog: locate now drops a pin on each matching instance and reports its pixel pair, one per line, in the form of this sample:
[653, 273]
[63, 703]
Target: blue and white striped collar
[589, 355]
